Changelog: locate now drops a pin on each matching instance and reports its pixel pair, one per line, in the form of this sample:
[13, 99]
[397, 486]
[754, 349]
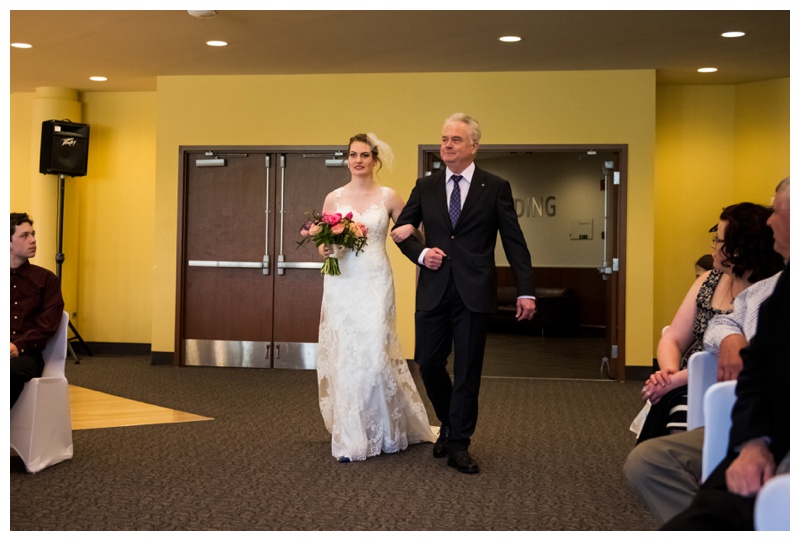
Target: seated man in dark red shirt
[36, 306]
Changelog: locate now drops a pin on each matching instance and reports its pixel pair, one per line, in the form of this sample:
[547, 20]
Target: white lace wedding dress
[367, 396]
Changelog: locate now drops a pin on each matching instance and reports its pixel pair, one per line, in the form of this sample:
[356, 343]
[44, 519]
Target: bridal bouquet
[333, 229]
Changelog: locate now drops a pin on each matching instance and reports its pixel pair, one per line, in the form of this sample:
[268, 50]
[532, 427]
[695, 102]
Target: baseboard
[111, 348]
[638, 372]
[123, 349]
[162, 358]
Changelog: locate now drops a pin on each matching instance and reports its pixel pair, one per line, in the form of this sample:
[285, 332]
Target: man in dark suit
[461, 209]
[759, 436]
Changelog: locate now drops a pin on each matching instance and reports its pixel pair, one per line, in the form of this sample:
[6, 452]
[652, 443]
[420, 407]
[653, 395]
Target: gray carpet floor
[551, 453]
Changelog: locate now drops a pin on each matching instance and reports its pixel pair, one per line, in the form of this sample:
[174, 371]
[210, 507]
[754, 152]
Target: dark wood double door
[248, 296]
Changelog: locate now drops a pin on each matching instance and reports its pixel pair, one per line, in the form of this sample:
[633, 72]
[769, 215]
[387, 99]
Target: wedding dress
[368, 399]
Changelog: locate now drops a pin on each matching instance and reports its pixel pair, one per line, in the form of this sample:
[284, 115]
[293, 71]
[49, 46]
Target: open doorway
[571, 201]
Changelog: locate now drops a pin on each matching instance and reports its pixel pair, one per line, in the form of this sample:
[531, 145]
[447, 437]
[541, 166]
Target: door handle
[266, 215]
[228, 264]
[299, 265]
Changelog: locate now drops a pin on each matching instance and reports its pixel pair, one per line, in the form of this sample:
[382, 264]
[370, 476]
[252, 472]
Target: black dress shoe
[461, 461]
[440, 447]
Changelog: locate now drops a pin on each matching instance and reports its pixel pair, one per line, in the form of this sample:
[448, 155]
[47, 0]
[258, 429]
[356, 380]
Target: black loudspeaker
[65, 148]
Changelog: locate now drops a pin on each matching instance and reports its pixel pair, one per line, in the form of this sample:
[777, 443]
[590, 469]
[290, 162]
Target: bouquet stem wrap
[331, 266]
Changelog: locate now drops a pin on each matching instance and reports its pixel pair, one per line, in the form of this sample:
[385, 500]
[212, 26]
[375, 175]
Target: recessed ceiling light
[510, 39]
[732, 34]
[99, 78]
[707, 70]
[22, 45]
[217, 43]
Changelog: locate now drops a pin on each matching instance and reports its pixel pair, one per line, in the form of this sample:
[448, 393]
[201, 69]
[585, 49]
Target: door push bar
[282, 265]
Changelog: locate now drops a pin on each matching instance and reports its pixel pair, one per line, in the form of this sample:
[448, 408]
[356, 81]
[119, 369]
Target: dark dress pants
[23, 369]
[454, 401]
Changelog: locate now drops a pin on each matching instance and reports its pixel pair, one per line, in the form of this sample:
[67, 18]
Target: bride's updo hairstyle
[381, 152]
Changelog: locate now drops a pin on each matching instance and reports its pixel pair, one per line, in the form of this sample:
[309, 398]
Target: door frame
[616, 318]
[185, 153]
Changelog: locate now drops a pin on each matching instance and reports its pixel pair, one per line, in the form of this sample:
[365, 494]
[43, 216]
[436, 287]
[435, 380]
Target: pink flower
[332, 218]
[349, 216]
[338, 229]
[364, 230]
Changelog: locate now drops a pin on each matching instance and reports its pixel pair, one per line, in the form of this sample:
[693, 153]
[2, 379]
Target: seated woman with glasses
[743, 254]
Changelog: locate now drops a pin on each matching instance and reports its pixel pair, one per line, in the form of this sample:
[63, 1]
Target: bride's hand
[331, 250]
[401, 233]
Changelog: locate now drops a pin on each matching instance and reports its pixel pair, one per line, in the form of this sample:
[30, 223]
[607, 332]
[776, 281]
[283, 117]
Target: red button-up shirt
[36, 307]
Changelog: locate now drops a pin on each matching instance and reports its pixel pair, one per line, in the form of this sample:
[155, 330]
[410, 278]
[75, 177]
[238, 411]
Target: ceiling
[133, 48]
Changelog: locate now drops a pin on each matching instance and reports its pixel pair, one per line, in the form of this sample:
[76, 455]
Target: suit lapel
[440, 194]
[476, 188]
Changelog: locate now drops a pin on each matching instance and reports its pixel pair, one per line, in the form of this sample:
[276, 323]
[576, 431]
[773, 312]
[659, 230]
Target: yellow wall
[117, 212]
[408, 110]
[21, 151]
[713, 144]
[762, 139]
[694, 180]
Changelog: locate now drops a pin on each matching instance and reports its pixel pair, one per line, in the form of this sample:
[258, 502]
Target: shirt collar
[466, 173]
[22, 269]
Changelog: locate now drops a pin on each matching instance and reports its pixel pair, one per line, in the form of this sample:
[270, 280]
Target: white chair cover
[772, 505]
[41, 429]
[702, 375]
[718, 404]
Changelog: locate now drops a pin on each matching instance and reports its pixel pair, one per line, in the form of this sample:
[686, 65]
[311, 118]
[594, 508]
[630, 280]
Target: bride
[367, 397]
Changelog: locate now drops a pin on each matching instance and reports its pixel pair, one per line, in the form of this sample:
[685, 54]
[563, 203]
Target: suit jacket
[470, 245]
[762, 390]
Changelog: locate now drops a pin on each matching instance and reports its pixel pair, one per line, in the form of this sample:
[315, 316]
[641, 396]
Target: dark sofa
[556, 312]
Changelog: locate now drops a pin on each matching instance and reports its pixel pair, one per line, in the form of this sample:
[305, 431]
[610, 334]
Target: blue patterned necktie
[455, 200]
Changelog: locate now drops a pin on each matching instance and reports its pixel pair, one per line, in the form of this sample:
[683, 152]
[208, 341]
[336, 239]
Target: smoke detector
[203, 14]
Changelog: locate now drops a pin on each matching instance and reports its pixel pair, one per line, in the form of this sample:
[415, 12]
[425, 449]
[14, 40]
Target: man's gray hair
[472, 125]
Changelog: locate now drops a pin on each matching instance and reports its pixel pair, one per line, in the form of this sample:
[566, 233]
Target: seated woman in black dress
[743, 254]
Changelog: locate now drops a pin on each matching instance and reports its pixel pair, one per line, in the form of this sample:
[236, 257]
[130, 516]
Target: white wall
[552, 190]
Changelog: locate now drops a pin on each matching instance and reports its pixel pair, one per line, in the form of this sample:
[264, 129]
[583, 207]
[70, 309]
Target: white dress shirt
[744, 318]
[464, 183]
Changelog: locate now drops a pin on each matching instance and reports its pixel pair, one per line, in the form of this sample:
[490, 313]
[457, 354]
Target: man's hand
[14, 351]
[754, 466]
[730, 358]
[525, 308]
[433, 258]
